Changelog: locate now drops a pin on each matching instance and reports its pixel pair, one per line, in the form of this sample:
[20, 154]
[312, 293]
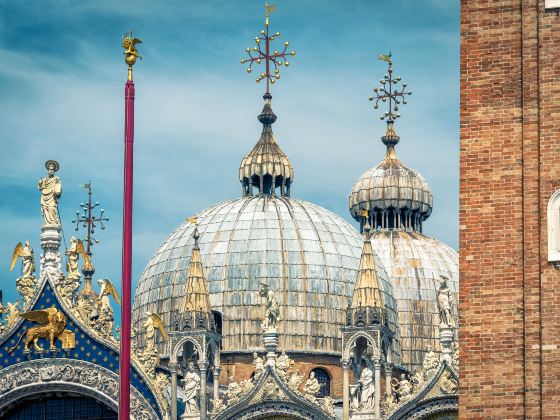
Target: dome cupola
[394, 195]
[266, 166]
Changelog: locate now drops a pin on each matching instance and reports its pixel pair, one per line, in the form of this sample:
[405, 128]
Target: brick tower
[510, 170]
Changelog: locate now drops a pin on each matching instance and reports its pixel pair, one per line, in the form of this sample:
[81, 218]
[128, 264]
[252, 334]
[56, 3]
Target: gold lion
[51, 326]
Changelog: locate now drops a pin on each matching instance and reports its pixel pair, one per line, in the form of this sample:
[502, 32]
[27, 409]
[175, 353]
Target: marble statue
[272, 310]
[283, 364]
[51, 190]
[448, 385]
[444, 301]
[431, 361]
[402, 387]
[295, 380]
[233, 392]
[355, 397]
[259, 365]
[367, 390]
[312, 388]
[191, 388]
[26, 283]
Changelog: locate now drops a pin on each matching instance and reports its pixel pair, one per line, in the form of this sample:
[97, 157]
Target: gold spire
[130, 51]
[196, 293]
[367, 292]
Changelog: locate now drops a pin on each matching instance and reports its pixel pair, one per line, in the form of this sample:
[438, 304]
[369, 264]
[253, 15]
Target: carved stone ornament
[274, 385]
[67, 376]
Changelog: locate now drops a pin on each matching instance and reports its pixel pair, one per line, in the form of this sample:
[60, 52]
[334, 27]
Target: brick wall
[510, 166]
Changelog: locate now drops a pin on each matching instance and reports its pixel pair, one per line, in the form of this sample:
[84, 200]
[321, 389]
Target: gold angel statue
[153, 322]
[102, 314]
[73, 253]
[51, 326]
[130, 51]
[150, 356]
[25, 252]
[26, 283]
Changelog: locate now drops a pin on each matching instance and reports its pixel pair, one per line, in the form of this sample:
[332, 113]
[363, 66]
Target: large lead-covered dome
[307, 254]
[395, 200]
[415, 264]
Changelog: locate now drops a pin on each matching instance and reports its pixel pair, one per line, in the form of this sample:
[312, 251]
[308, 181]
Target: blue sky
[61, 97]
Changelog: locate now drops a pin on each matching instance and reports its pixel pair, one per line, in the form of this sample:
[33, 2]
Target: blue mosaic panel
[87, 348]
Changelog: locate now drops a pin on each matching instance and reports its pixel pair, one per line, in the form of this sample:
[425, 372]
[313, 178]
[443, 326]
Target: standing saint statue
[51, 189]
[367, 390]
[272, 309]
[444, 301]
[191, 388]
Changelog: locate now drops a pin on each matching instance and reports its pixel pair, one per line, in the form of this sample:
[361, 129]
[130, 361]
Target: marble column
[203, 366]
[217, 370]
[377, 369]
[388, 377]
[173, 370]
[345, 390]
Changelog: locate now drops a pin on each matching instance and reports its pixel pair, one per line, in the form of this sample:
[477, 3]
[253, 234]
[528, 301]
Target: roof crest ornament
[388, 92]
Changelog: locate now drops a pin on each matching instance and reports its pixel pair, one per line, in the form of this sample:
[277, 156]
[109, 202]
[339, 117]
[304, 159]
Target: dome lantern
[266, 166]
[395, 196]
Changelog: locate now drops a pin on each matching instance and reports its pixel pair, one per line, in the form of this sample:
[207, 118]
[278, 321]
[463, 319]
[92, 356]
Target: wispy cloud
[61, 86]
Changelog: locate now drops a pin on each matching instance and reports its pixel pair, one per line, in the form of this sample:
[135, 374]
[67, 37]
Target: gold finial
[193, 220]
[130, 51]
[269, 9]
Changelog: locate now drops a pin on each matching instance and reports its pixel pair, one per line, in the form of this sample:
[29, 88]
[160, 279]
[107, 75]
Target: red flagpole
[124, 371]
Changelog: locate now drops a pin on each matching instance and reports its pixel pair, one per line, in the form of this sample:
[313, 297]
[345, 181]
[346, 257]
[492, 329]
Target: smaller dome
[266, 166]
[394, 195]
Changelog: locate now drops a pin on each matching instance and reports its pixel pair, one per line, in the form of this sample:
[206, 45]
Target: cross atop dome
[388, 93]
[274, 59]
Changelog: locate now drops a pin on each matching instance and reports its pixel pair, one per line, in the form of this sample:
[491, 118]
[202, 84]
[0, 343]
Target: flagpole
[131, 54]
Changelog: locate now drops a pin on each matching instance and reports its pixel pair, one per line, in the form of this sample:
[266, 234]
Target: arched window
[218, 321]
[553, 221]
[324, 380]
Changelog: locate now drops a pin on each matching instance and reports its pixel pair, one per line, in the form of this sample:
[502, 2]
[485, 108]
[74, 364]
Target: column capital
[173, 367]
[202, 364]
[346, 363]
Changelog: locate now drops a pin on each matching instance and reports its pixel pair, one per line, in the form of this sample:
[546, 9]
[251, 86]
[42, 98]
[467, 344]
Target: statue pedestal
[363, 415]
[270, 339]
[446, 338]
[50, 242]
